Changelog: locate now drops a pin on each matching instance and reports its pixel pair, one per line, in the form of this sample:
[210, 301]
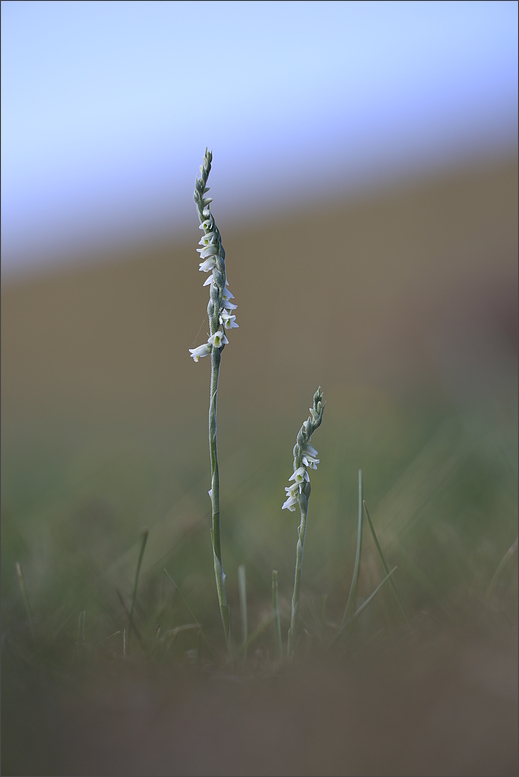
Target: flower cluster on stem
[298, 493]
[220, 308]
[221, 318]
[305, 457]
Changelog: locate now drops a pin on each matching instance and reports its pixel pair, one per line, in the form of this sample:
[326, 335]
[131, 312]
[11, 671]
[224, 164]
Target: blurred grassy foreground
[403, 307]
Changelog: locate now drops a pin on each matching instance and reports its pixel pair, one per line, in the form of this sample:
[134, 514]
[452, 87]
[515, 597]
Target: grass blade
[275, 607]
[356, 568]
[191, 611]
[242, 587]
[134, 594]
[261, 628]
[508, 555]
[127, 611]
[365, 604]
[23, 589]
[375, 592]
[81, 626]
[386, 568]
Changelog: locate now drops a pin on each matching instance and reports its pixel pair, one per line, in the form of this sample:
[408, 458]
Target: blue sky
[107, 108]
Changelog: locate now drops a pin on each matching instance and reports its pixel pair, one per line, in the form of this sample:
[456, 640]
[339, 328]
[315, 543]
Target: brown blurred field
[411, 291]
[403, 307]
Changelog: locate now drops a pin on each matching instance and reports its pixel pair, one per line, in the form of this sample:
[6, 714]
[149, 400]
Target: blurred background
[108, 107]
[365, 185]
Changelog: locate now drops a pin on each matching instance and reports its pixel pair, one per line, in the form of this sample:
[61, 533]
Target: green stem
[255, 634]
[303, 504]
[356, 568]
[509, 553]
[242, 587]
[215, 499]
[275, 607]
[136, 581]
[386, 568]
[23, 589]
[81, 626]
[190, 610]
[365, 604]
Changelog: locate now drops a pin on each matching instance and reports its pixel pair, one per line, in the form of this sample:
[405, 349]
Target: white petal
[290, 504]
[292, 490]
[300, 475]
[209, 250]
[228, 321]
[207, 265]
[207, 239]
[201, 351]
[218, 339]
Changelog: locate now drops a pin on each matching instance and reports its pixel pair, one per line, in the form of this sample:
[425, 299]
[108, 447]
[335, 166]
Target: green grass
[442, 495]
[442, 498]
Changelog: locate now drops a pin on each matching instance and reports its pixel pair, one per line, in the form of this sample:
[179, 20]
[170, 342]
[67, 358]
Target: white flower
[202, 350]
[310, 457]
[292, 492]
[218, 339]
[291, 502]
[208, 250]
[227, 295]
[228, 321]
[207, 240]
[209, 264]
[300, 475]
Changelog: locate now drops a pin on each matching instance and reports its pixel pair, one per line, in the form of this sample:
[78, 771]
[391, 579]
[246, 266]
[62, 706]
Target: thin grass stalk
[277, 622]
[255, 634]
[386, 568]
[323, 610]
[81, 626]
[25, 597]
[135, 630]
[115, 634]
[172, 634]
[191, 611]
[136, 581]
[363, 605]
[242, 588]
[508, 555]
[372, 596]
[352, 596]
[199, 647]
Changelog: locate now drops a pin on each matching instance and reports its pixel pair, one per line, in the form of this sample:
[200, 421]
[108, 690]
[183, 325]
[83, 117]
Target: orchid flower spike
[212, 257]
[305, 456]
